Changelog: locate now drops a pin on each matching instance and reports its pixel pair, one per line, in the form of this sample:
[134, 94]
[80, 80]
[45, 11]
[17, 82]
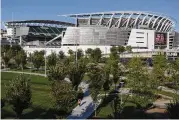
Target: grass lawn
[28, 70]
[41, 98]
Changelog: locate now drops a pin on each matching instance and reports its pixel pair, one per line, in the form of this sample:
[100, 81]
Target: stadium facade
[144, 31]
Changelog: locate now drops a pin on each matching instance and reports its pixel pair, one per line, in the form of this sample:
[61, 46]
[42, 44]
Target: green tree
[57, 73]
[18, 94]
[80, 53]
[116, 107]
[159, 68]
[61, 55]
[21, 59]
[139, 82]
[64, 96]
[70, 52]
[95, 73]
[173, 74]
[121, 49]
[6, 56]
[15, 49]
[52, 59]
[77, 72]
[89, 51]
[96, 55]
[116, 72]
[128, 49]
[38, 59]
[138, 76]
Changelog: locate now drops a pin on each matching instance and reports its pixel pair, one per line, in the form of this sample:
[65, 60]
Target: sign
[160, 38]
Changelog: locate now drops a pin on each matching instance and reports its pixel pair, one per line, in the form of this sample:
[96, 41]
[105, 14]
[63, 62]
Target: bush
[173, 109]
[18, 94]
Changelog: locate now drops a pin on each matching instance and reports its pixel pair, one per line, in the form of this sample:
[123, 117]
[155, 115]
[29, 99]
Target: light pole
[121, 91]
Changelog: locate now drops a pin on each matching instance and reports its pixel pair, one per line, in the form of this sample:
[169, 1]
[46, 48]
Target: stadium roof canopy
[126, 19]
[48, 23]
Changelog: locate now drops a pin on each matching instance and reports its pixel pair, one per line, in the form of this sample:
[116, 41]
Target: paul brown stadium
[144, 31]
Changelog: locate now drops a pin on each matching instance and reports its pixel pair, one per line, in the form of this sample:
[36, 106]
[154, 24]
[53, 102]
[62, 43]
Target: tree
[139, 82]
[173, 74]
[6, 57]
[21, 59]
[116, 107]
[96, 55]
[116, 72]
[80, 53]
[15, 49]
[64, 96]
[128, 48]
[114, 53]
[106, 85]
[52, 59]
[61, 55]
[95, 73]
[18, 94]
[77, 72]
[121, 49]
[159, 67]
[89, 51]
[70, 52]
[57, 73]
[38, 59]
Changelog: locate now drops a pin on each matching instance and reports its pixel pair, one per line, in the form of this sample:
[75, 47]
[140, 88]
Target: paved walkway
[87, 106]
[168, 90]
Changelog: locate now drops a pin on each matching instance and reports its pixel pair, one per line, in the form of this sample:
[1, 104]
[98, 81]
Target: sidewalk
[87, 106]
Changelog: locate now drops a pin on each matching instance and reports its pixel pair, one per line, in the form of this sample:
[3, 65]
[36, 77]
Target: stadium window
[140, 32]
[139, 42]
[139, 37]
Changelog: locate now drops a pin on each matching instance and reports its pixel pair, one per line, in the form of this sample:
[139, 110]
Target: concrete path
[168, 90]
[87, 106]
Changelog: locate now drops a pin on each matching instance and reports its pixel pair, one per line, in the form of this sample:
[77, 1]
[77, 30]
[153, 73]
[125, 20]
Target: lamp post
[121, 91]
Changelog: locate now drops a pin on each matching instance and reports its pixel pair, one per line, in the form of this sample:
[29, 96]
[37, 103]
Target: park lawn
[41, 98]
[28, 70]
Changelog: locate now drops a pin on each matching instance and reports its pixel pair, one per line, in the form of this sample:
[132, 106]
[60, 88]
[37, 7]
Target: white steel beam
[155, 21]
[169, 27]
[143, 20]
[163, 24]
[129, 20]
[150, 20]
[110, 21]
[119, 21]
[101, 19]
[159, 23]
[166, 26]
[137, 19]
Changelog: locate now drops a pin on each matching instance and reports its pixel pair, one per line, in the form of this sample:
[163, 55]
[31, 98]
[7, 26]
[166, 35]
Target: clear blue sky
[49, 9]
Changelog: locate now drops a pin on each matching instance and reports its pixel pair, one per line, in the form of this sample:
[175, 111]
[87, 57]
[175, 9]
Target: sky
[49, 9]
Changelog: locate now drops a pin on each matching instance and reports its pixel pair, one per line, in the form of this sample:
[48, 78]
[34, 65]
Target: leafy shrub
[173, 109]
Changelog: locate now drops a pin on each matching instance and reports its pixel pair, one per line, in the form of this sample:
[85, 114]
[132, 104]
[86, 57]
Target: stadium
[145, 32]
